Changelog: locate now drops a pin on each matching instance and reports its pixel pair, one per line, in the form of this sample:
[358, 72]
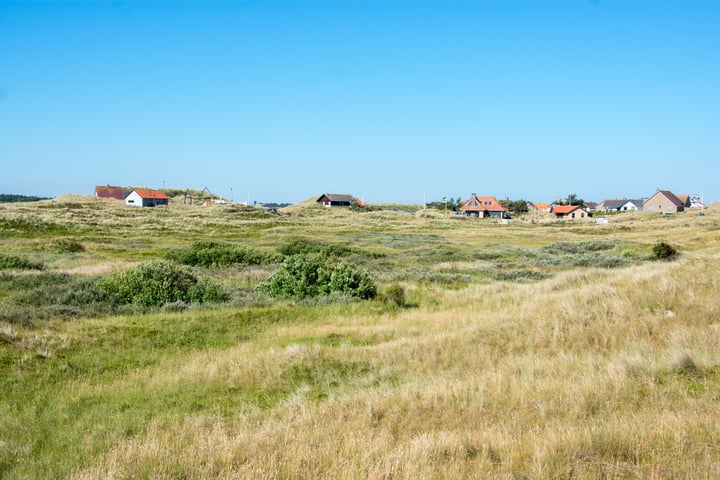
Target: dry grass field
[537, 349]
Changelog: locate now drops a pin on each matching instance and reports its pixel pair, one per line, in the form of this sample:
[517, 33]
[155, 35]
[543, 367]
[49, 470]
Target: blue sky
[391, 100]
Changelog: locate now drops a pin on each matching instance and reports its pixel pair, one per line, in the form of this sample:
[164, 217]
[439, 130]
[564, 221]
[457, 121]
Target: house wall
[660, 203]
[630, 206]
[578, 214]
[134, 200]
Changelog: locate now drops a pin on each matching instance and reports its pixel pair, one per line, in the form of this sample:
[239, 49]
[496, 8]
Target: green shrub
[66, 245]
[303, 276]
[302, 246]
[663, 251]
[11, 262]
[395, 296]
[157, 283]
[208, 254]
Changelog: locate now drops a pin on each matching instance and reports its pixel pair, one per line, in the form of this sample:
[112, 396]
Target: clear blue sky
[386, 99]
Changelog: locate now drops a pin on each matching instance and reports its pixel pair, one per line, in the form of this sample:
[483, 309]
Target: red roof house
[109, 191]
[141, 197]
[570, 211]
[482, 207]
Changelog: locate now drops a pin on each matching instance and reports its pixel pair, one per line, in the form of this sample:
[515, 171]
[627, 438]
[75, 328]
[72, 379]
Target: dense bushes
[311, 275]
[301, 246]
[207, 254]
[159, 282]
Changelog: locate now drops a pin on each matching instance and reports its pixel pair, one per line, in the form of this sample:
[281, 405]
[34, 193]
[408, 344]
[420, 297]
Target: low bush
[303, 276]
[208, 254]
[12, 262]
[395, 296]
[157, 283]
[51, 295]
[663, 251]
[302, 246]
[66, 245]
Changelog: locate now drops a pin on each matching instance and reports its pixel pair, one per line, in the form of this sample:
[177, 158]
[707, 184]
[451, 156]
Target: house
[612, 205]
[685, 199]
[663, 201]
[141, 197]
[540, 207]
[481, 207]
[109, 191]
[570, 211]
[591, 206]
[632, 205]
[336, 200]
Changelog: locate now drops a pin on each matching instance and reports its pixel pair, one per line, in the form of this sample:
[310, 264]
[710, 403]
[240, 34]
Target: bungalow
[632, 205]
[481, 207]
[663, 201]
[109, 191]
[141, 197]
[591, 206]
[611, 205]
[336, 200]
[570, 211]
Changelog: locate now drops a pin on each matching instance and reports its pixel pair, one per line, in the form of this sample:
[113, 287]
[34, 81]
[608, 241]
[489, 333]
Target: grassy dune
[538, 349]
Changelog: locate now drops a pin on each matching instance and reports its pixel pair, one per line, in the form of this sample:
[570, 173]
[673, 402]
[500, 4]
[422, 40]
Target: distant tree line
[515, 206]
[12, 198]
[571, 199]
[452, 204]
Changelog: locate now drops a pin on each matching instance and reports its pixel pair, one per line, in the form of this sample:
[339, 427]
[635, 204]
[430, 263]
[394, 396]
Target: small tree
[663, 251]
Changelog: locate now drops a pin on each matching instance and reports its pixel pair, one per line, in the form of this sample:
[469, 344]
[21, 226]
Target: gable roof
[481, 204]
[147, 193]
[684, 198]
[635, 201]
[565, 209]
[110, 191]
[542, 206]
[613, 204]
[337, 197]
[669, 196]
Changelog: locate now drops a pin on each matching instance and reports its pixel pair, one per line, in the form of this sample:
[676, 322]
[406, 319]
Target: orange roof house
[570, 211]
[141, 197]
[540, 207]
[481, 207]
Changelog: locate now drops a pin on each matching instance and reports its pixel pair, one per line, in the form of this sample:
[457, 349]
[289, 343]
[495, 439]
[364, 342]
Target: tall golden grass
[594, 373]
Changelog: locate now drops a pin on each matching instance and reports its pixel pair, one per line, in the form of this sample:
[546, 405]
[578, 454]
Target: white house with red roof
[142, 197]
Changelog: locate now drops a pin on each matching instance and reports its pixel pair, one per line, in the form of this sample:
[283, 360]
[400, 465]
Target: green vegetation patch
[303, 276]
[51, 295]
[12, 262]
[208, 254]
[159, 282]
[32, 226]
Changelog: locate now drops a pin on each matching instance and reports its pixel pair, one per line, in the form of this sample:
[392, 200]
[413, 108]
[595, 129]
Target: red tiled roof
[157, 194]
[565, 209]
[480, 204]
[110, 191]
